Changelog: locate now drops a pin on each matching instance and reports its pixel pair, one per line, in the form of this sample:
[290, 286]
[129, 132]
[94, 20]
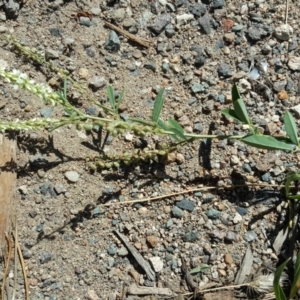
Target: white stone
[237, 218]
[23, 189]
[275, 118]
[182, 19]
[72, 176]
[294, 63]
[128, 137]
[234, 160]
[244, 85]
[157, 263]
[283, 32]
[296, 109]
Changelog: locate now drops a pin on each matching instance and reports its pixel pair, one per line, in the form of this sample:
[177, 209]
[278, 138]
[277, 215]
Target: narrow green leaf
[296, 281]
[120, 99]
[199, 269]
[178, 129]
[279, 294]
[162, 125]
[235, 94]
[267, 142]
[65, 89]
[241, 111]
[290, 177]
[230, 113]
[176, 125]
[290, 127]
[111, 97]
[158, 105]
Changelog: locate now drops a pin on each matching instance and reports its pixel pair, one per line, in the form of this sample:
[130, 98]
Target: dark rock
[177, 212]
[242, 210]
[213, 213]
[257, 32]
[159, 23]
[170, 31]
[225, 70]
[45, 257]
[198, 127]
[198, 9]
[55, 32]
[217, 4]
[186, 205]
[11, 8]
[206, 22]
[150, 65]
[199, 61]
[113, 43]
[191, 236]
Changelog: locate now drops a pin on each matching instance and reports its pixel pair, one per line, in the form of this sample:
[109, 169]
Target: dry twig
[130, 36]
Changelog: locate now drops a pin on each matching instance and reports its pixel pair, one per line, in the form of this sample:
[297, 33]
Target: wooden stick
[132, 37]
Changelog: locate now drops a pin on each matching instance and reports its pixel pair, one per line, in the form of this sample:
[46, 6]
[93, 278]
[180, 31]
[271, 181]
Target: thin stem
[286, 10]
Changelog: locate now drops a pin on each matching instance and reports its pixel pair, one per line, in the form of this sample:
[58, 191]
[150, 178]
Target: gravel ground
[197, 51]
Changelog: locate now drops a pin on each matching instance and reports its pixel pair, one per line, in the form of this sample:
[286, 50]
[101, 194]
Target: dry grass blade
[6, 266]
[130, 36]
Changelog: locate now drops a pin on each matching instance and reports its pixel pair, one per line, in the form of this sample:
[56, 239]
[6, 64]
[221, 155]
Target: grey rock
[198, 127]
[56, 286]
[186, 205]
[46, 112]
[85, 21]
[218, 4]
[170, 31]
[27, 253]
[123, 251]
[55, 32]
[96, 11]
[128, 22]
[113, 43]
[156, 263]
[198, 9]
[40, 228]
[45, 257]
[51, 54]
[11, 8]
[206, 23]
[283, 32]
[266, 177]
[242, 210]
[230, 237]
[213, 214]
[294, 63]
[197, 88]
[110, 261]
[279, 85]
[246, 168]
[159, 23]
[250, 236]
[72, 176]
[118, 15]
[59, 188]
[177, 212]
[169, 223]
[97, 212]
[237, 28]
[199, 61]
[191, 236]
[208, 105]
[257, 32]
[112, 250]
[97, 83]
[225, 70]
[150, 65]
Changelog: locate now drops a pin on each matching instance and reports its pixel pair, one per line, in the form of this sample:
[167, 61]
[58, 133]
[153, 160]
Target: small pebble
[156, 263]
[72, 176]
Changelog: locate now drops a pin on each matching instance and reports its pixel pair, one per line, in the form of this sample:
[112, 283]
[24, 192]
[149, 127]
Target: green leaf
[235, 94]
[177, 129]
[111, 97]
[65, 89]
[158, 105]
[120, 99]
[296, 281]
[290, 177]
[230, 113]
[290, 127]
[267, 142]
[279, 294]
[160, 123]
[241, 111]
[199, 269]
